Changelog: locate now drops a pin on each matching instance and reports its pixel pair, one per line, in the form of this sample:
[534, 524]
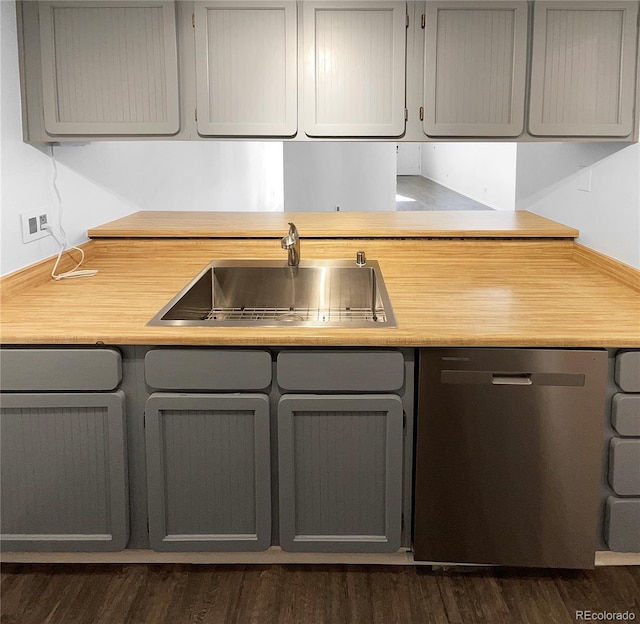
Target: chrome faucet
[291, 242]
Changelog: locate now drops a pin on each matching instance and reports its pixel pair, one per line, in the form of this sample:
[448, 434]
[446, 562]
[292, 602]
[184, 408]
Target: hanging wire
[59, 235]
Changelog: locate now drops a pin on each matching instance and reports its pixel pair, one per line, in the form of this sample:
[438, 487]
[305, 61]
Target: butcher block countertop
[405, 224]
[443, 292]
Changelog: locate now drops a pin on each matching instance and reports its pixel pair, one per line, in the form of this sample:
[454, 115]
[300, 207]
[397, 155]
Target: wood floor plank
[297, 594]
[528, 603]
[598, 591]
[429, 605]
[623, 586]
[384, 597]
[359, 595]
[337, 594]
[263, 607]
[246, 602]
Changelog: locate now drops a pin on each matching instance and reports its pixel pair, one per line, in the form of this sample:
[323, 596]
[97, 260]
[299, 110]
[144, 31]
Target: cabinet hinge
[406, 114]
[422, 21]
[422, 113]
[195, 114]
[193, 20]
[406, 20]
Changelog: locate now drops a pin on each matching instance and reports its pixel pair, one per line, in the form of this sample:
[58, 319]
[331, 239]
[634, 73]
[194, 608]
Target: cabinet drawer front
[624, 466]
[340, 371]
[625, 414]
[64, 472]
[35, 370]
[628, 371]
[623, 524]
[208, 369]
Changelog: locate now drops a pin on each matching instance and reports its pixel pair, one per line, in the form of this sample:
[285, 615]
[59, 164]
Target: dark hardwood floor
[181, 594]
[429, 195]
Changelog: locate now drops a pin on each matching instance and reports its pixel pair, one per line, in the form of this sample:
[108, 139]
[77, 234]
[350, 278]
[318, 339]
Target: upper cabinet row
[345, 69]
[582, 69]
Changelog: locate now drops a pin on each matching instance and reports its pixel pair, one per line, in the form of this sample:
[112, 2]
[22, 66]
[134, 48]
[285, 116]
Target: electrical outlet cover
[33, 222]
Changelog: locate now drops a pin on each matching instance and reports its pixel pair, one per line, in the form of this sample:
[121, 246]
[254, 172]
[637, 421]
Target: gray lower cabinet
[64, 472]
[622, 510]
[208, 471]
[340, 472]
[622, 520]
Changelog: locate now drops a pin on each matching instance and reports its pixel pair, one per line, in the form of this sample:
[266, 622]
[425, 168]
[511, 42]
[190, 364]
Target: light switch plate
[33, 222]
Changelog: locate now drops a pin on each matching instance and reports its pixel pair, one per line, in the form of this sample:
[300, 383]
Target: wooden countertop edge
[621, 272]
[408, 340]
[190, 224]
[327, 234]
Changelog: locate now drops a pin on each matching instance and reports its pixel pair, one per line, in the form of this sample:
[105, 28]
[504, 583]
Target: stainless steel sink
[264, 293]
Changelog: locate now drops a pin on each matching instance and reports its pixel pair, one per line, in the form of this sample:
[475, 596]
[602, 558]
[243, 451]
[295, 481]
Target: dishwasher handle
[502, 378]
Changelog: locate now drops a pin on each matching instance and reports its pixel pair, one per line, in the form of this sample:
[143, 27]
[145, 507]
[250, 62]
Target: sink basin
[265, 293]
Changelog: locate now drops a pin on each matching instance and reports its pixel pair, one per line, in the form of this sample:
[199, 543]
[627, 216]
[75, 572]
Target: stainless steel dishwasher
[509, 456]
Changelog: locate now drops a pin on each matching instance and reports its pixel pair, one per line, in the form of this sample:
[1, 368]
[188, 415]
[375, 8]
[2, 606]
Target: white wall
[25, 171]
[485, 172]
[177, 175]
[103, 181]
[608, 216]
[354, 176]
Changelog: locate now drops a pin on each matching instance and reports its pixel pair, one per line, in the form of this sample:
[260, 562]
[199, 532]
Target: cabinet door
[583, 68]
[246, 63]
[475, 68]
[354, 79]
[208, 471]
[64, 473]
[109, 67]
[340, 472]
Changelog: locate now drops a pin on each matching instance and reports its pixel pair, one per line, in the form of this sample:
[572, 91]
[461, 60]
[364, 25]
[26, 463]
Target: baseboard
[273, 556]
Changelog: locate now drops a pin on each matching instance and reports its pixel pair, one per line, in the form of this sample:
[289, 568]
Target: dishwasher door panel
[508, 456]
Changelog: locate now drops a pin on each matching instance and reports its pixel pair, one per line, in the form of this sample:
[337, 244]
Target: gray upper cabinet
[475, 68]
[109, 68]
[583, 68]
[246, 68]
[354, 72]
